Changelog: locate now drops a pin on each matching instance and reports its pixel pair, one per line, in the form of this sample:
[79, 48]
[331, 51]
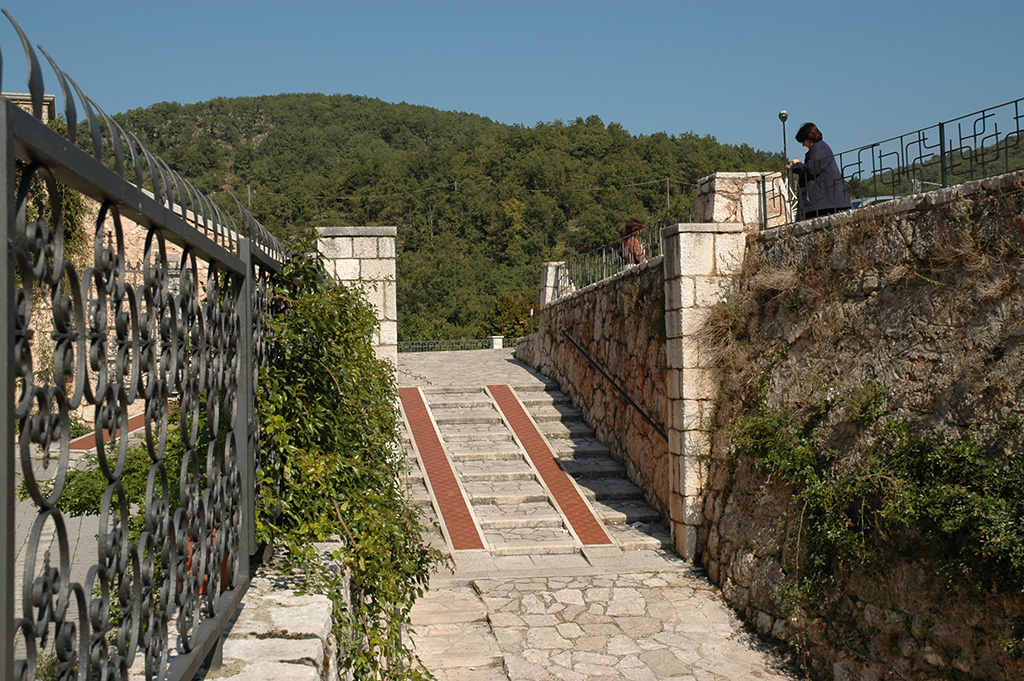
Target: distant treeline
[478, 205]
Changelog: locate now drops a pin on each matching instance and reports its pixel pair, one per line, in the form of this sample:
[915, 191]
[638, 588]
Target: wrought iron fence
[163, 578]
[583, 269]
[971, 147]
[448, 345]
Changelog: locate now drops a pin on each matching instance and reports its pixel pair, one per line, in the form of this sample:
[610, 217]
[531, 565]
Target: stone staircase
[518, 517]
[510, 502]
[617, 502]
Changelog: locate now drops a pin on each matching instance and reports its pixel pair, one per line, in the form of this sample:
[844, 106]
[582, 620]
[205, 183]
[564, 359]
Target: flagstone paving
[539, 601]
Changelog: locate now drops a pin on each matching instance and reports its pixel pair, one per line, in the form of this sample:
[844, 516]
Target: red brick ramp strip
[586, 526]
[458, 521]
[88, 441]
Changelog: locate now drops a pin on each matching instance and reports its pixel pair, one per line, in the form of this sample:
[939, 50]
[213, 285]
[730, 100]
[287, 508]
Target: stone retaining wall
[922, 298]
[278, 634]
[620, 322]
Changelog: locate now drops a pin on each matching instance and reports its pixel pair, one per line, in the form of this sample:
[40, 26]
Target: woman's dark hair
[808, 131]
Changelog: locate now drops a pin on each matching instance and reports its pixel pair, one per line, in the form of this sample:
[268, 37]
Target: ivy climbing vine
[328, 407]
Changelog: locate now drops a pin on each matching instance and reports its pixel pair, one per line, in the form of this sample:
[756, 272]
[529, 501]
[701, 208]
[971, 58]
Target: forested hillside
[478, 205]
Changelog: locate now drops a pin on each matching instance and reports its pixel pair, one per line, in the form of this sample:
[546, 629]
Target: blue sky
[863, 71]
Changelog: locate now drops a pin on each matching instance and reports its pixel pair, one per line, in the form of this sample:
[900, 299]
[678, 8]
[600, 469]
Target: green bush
[328, 408]
[954, 500]
[328, 411]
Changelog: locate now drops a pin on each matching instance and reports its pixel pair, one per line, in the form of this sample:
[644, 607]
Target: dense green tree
[478, 205]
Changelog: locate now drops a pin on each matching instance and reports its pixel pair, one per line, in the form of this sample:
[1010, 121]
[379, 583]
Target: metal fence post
[7, 375]
[246, 418]
[764, 201]
[942, 153]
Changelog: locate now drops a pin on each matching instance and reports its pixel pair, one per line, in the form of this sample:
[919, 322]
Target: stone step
[593, 467]
[641, 536]
[501, 523]
[453, 410]
[536, 549]
[557, 412]
[478, 401]
[535, 513]
[624, 511]
[506, 488]
[551, 397]
[466, 416]
[495, 469]
[505, 498]
[542, 384]
[453, 390]
[417, 492]
[499, 476]
[434, 539]
[557, 430]
[610, 488]
[490, 436]
[476, 455]
[579, 448]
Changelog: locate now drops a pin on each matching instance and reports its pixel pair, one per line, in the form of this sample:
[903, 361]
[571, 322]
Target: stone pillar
[366, 255]
[549, 283]
[700, 260]
[496, 342]
[737, 197]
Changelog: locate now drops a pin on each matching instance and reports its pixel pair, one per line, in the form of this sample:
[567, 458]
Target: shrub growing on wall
[328, 409]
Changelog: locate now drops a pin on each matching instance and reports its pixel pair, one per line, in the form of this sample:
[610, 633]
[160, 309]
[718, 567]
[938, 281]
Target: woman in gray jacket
[822, 190]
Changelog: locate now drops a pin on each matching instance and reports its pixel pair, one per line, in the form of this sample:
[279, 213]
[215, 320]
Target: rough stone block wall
[620, 322]
[923, 297]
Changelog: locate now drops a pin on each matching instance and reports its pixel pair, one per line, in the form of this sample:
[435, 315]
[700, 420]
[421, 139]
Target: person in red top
[633, 251]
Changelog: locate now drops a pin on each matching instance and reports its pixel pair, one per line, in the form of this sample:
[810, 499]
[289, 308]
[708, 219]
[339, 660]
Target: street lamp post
[783, 115]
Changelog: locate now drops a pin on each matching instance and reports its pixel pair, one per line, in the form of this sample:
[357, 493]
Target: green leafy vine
[955, 500]
[327, 406]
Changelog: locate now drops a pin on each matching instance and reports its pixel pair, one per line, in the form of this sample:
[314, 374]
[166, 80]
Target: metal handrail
[603, 262]
[974, 146]
[629, 400]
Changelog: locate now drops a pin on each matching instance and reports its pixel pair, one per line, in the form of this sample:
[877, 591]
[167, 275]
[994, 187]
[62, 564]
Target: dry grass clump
[897, 273]
[963, 251]
[778, 281]
[994, 288]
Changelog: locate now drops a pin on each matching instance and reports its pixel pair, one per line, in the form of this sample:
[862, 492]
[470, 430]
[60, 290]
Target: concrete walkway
[544, 599]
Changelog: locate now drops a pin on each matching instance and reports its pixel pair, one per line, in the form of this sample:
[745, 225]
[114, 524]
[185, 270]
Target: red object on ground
[458, 521]
[88, 441]
[587, 527]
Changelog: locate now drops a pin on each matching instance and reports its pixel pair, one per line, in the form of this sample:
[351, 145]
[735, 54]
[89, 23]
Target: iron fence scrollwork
[174, 333]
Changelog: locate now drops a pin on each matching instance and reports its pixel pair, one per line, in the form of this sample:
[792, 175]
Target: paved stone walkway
[537, 603]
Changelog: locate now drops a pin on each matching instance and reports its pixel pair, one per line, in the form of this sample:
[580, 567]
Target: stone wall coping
[277, 633]
[362, 230]
[904, 204]
[702, 228]
[736, 175]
